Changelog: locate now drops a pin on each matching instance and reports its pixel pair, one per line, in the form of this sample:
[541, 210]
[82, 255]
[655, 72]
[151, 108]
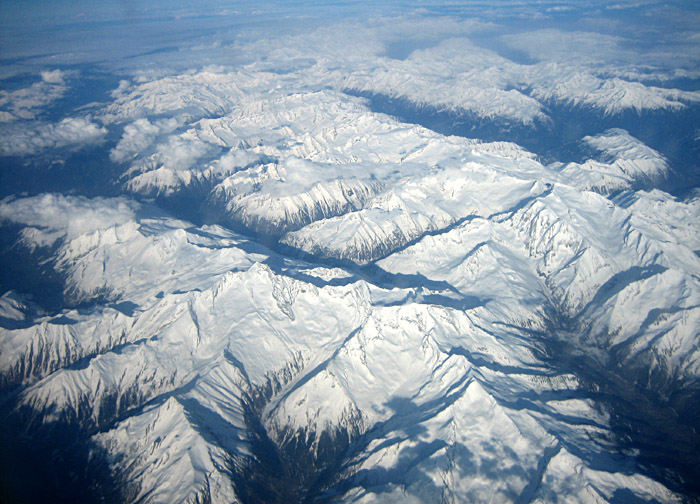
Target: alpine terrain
[357, 254]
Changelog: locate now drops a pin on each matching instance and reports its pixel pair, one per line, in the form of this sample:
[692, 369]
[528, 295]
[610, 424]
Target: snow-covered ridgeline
[490, 248]
[623, 162]
[187, 446]
[207, 324]
[583, 257]
[320, 165]
[54, 343]
[420, 360]
[544, 224]
[452, 349]
[269, 214]
[415, 206]
[425, 371]
[460, 76]
[351, 156]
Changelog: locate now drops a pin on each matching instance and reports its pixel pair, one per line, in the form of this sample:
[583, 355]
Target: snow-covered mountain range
[298, 298]
[435, 389]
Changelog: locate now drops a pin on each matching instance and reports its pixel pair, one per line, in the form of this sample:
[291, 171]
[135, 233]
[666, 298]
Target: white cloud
[124, 85]
[453, 74]
[557, 45]
[197, 94]
[139, 135]
[180, 153]
[6, 117]
[53, 76]
[27, 102]
[435, 64]
[74, 132]
[235, 158]
[629, 5]
[54, 216]
[176, 162]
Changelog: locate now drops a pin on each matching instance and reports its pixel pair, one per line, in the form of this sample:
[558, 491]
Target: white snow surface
[425, 378]
[319, 171]
[623, 162]
[475, 248]
[426, 279]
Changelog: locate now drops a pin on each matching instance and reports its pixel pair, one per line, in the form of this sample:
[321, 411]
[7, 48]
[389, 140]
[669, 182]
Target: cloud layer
[56, 216]
[73, 132]
[28, 102]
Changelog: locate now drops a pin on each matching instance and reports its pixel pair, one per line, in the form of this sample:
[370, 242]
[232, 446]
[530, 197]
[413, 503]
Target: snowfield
[298, 298]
